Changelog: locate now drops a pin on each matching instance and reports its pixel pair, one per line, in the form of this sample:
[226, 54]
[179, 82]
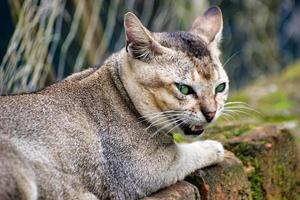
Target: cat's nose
[209, 115]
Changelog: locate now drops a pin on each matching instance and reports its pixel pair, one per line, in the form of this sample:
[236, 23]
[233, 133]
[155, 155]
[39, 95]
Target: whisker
[171, 114]
[159, 113]
[245, 108]
[236, 102]
[227, 115]
[224, 117]
[232, 56]
[233, 113]
[158, 121]
[238, 111]
[165, 126]
[166, 115]
[184, 121]
[149, 118]
[153, 119]
[241, 105]
[162, 112]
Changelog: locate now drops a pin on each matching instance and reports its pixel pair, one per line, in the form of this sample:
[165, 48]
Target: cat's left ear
[209, 26]
[140, 43]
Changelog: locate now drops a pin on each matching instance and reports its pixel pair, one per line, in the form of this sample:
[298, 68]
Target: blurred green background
[43, 41]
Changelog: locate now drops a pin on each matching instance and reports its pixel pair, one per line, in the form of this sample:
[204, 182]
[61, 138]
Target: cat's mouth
[194, 130]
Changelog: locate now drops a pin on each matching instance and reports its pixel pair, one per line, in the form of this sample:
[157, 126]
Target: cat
[107, 133]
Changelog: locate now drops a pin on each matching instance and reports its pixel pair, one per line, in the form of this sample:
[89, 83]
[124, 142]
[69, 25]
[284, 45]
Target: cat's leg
[197, 155]
[17, 179]
[174, 163]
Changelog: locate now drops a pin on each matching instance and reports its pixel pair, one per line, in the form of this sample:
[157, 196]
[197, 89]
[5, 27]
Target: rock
[227, 180]
[270, 156]
[179, 191]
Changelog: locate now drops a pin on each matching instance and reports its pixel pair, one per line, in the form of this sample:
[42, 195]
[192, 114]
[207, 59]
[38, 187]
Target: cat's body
[83, 138]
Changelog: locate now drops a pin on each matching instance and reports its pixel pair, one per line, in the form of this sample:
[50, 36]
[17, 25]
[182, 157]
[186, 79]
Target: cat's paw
[217, 150]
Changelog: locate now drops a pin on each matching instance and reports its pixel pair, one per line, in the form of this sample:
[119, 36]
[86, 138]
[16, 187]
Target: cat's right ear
[209, 25]
[140, 43]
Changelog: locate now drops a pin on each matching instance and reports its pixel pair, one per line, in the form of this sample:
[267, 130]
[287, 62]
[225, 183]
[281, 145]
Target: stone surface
[226, 180]
[270, 156]
[179, 191]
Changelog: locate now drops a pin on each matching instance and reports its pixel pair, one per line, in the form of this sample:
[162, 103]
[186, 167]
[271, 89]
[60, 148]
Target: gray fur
[81, 139]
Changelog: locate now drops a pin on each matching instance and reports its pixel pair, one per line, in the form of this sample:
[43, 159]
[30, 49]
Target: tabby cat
[107, 133]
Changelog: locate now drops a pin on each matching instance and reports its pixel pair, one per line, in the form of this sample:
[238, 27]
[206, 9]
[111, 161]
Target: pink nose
[209, 116]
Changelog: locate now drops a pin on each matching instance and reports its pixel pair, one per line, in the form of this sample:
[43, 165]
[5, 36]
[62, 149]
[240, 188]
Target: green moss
[256, 180]
[233, 132]
[244, 152]
[280, 172]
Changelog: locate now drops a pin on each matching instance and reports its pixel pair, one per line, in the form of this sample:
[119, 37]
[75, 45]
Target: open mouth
[194, 130]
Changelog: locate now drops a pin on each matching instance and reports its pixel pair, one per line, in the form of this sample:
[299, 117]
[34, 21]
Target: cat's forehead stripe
[205, 67]
[185, 42]
[194, 47]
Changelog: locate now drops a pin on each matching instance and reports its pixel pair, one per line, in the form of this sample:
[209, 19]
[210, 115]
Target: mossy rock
[226, 180]
[270, 156]
[180, 191]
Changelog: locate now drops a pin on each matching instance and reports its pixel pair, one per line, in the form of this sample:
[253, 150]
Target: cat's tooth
[197, 127]
[193, 127]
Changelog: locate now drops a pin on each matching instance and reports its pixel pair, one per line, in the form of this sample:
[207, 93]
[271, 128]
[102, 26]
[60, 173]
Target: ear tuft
[209, 26]
[139, 41]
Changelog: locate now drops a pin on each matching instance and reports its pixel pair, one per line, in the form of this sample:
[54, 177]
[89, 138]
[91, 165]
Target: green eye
[220, 88]
[185, 89]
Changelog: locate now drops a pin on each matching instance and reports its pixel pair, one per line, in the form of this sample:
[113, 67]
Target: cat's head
[176, 80]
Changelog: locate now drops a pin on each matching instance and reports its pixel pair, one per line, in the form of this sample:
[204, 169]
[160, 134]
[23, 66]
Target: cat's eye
[185, 89]
[220, 88]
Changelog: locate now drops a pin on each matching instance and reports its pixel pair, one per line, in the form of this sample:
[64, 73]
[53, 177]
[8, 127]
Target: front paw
[217, 150]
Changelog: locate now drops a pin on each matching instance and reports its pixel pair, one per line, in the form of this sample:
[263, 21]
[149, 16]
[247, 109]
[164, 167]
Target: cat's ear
[140, 43]
[209, 25]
